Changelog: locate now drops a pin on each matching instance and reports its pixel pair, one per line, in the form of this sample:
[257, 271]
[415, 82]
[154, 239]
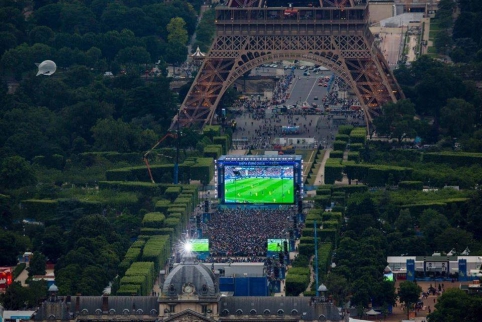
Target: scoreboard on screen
[259, 180]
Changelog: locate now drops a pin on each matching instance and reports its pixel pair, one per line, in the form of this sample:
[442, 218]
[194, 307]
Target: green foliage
[336, 154]
[296, 284]
[411, 185]
[339, 145]
[157, 250]
[16, 172]
[333, 171]
[380, 175]
[18, 270]
[358, 135]
[153, 220]
[354, 147]
[172, 192]
[457, 159]
[354, 156]
[213, 151]
[345, 129]
[224, 141]
[342, 137]
[299, 271]
[37, 264]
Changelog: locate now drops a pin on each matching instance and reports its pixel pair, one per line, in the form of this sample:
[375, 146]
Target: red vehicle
[5, 277]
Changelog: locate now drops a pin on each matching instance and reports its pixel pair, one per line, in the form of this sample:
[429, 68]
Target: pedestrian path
[320, 176]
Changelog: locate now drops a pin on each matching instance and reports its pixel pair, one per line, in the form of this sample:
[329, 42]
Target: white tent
[372, 312]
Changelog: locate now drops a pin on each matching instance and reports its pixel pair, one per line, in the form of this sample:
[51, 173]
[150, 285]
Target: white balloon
[47, 67]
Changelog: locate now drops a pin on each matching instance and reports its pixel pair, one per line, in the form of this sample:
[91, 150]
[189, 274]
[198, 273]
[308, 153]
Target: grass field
[259, 190]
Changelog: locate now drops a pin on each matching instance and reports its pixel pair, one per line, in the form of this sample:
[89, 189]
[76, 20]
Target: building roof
[197, 274]
[267, 305]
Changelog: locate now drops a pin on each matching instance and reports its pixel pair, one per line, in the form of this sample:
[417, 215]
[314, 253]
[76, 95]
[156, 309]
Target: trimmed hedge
[322, 202]
[354, 156]
[380, 175]
[223, 141]
[129, 290]
[172, 192]
[411, 185]
[162, 205]
[296, 284]
[213, 151]
[137, 281]
[348, 189]
[157, 250]
[203, 170]
[342, 137]
[299, 271]
[459, 159]
[157, 231]
[336, 154]
[354, 147]
[153, 220]
[339, 145]
[345, 129]
[358, 135]
[333, 171]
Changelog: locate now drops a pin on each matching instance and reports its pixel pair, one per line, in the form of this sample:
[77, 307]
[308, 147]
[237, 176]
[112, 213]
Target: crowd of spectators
[243, 232]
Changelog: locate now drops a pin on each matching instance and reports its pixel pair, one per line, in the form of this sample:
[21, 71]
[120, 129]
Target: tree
[177, 32]
[15, 172]
[53, 243]
[456, 305]
[397, 120]
[115, 135]
[404, 221]
[15, 298]
[409, 293]
[457, 117]
[37, 264]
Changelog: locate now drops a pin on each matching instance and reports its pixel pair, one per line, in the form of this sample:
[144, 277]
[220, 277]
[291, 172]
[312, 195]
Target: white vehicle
[302, 67]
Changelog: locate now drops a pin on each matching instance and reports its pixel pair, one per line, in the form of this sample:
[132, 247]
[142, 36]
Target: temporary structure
[372, 312]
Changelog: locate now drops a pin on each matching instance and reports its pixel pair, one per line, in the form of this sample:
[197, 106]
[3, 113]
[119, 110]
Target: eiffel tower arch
[332, 33]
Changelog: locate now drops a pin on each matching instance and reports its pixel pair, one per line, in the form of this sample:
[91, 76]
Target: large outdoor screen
[199, 245]
[277, 245]
[259, 184]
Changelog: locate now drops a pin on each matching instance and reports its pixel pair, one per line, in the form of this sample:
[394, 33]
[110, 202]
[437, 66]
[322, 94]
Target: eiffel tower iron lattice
[249, 33]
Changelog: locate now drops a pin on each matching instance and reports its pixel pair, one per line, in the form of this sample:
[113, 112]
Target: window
[172, 308]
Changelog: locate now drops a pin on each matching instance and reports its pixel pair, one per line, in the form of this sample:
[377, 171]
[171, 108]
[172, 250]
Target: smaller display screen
[199, 245]
[388, 277]
[277, 245]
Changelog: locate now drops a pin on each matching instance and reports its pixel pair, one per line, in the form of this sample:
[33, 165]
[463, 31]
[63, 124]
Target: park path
[320, 176]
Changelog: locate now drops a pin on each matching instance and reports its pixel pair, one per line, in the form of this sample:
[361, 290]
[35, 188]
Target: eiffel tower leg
[354, 58]
[200, 104]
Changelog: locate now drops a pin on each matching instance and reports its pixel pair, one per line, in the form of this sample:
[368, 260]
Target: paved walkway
[320, 176]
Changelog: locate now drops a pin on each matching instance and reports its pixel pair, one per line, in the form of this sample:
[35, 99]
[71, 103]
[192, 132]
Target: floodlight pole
[316, 260]
[176, 165]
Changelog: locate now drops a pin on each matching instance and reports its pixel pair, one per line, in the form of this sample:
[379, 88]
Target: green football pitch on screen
[259, 190]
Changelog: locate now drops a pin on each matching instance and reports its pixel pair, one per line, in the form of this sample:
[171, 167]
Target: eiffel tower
[331, 33]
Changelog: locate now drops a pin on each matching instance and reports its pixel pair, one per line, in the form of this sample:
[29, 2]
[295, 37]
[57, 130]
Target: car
[315, 98]
[302, 67]
[325, 85]
[306, 73]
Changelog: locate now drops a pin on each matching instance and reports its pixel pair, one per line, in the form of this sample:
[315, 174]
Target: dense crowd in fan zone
[244, 233]
[262, 172]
